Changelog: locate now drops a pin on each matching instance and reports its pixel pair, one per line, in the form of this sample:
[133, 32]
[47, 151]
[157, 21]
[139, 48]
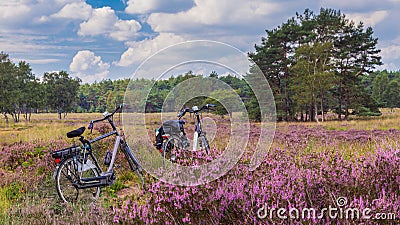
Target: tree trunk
[316, 111]
[5, 117]
[322, 109]
[346, 112]
[59, 115]
[305, 119]
[340, 100]
[14, 117]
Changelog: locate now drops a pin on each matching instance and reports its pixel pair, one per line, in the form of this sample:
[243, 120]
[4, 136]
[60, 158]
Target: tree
[393, 94]
[313, 76]
[272, 57]
[8, 85]
[61, 91]
[29, 92]
[353, 54]
[380, 89]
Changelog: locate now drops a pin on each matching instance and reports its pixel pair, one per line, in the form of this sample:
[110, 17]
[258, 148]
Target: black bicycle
[171, 136]
[78, 174]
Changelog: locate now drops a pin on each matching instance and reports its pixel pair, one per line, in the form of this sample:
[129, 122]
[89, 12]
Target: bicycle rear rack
[66, 152]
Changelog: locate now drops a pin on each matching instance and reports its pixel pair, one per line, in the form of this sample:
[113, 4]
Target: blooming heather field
[351, 164]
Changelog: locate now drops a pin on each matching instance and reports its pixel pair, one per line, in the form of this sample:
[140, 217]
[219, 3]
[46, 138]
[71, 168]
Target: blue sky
[97, 40]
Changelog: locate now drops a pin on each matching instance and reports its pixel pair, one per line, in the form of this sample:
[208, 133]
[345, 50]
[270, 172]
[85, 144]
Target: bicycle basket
[66, 152]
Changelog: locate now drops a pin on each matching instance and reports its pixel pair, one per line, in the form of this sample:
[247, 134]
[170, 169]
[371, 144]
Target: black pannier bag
[171, 127]
[159, 139]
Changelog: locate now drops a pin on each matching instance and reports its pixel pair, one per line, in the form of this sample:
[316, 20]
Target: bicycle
[171, 136]
[78, 174]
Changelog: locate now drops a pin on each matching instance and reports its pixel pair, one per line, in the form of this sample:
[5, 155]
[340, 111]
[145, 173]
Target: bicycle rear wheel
[68, 173]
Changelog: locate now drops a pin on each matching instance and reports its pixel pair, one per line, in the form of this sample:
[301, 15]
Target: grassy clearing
[390, 119]
[43, 127]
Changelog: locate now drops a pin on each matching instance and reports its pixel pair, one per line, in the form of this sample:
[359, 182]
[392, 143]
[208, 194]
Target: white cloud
[37, 61]
[215, 13]
[142, 7]
[355, 5]
[15, 14]
[125, 30]
[101, 22]
[391, 52]
[138, 6]
[75, 10]
[369, 19]
[104, 21]
[12, 10]
[88, 66]
[198, 56]
[391, 66]
[140, 50]
[63, 2]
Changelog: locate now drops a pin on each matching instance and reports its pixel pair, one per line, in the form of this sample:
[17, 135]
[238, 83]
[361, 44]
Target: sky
[98, 39]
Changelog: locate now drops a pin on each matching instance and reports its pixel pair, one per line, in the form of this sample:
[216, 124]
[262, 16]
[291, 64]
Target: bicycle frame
[72, 162]
[87, 152]
[115, 149]
[198, 128]
[119, 142]
[197, 131]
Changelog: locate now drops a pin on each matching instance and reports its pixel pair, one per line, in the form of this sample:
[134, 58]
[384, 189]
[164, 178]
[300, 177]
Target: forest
[314, 63]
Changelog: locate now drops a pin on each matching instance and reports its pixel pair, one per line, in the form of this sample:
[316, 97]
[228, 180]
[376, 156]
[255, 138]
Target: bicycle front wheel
[204, 143]
[68, 173]
[133, 164]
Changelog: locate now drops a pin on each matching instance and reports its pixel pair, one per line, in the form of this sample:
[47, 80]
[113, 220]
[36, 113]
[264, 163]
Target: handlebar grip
[90, 125]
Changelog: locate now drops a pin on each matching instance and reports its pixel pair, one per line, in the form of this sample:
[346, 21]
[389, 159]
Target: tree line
[384, 87]
[314, 63]
[22, 93]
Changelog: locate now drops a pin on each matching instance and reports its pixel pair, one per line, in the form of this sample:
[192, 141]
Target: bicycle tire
[204, 143]
[68, 173]
[134, 166]
[170, 148]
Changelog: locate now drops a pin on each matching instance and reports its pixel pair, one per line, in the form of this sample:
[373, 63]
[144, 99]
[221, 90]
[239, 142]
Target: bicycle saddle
[76, 133]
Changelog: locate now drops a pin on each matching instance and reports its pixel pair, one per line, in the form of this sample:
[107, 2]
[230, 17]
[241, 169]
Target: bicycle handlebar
[106, 116]
[206, 106]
